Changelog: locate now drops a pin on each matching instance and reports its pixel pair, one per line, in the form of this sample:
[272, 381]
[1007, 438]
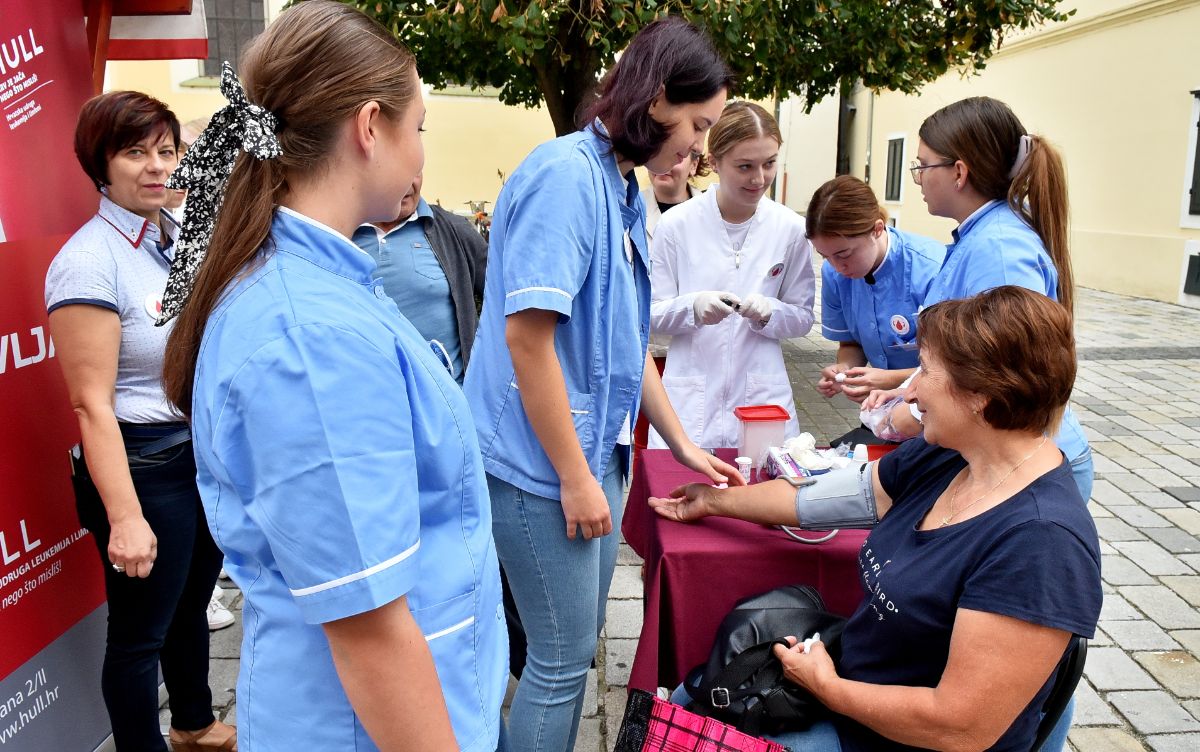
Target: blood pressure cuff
[839, 499]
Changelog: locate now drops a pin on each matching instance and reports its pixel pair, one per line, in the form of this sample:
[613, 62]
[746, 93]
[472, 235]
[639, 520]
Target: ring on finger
[119, 567]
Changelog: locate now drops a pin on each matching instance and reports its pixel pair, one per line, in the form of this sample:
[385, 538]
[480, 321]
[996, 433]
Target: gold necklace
[954, 496]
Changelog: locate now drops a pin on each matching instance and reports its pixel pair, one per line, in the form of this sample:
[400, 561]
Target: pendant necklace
[737, 248]
[954, 496]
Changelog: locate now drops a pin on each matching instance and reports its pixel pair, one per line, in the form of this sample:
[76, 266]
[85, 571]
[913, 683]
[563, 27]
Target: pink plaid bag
[654, 725]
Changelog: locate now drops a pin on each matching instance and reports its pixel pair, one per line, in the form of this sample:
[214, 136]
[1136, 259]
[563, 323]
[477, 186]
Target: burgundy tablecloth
[696, 572]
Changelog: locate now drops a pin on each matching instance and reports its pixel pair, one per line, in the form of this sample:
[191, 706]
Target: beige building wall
[1112, 88]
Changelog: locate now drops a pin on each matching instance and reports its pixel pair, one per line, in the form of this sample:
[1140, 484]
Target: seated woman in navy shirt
[983, 561]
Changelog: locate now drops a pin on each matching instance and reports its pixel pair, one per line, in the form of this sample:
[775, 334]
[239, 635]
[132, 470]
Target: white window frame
[1187, 220]
[903, 139]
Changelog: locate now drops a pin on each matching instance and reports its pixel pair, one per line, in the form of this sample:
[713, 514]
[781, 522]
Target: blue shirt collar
[974, 217]
[320, 244]
[423, 212]
[607, 158]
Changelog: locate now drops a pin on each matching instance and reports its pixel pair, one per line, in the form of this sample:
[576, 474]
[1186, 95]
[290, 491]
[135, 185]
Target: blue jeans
[161, 618]
[560, 587]
[1084, 472]
[820, 737]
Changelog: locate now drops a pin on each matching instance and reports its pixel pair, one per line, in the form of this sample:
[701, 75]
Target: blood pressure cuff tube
[840, 499]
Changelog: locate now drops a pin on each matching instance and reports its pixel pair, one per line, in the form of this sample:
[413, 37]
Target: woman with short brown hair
[983, 560]
[135, 481]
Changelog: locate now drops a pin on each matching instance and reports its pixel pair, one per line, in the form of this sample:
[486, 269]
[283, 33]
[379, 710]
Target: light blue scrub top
[339, 470]
[995, 247]
[414, 279]
[558, 244]
[882, 317]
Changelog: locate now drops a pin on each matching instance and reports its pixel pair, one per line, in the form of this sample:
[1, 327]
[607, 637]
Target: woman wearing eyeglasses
[1007, 190]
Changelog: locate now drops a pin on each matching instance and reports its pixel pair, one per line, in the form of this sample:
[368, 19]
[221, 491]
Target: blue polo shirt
[339, 471]
[882, 317]
[995, 247]
[558, 243]
[414, 279]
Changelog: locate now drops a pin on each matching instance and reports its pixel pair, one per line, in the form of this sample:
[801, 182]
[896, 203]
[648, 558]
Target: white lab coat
[713, 369]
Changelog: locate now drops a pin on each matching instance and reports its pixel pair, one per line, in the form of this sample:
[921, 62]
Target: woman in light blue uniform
[874, 281]
[336, 457]
[560, 362]
[1007, 190]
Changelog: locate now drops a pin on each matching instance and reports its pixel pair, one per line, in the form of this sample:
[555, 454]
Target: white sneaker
[218, 595]
[219, 617]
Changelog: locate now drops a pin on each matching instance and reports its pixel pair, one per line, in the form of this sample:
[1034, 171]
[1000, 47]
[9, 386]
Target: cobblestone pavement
[1136, 396]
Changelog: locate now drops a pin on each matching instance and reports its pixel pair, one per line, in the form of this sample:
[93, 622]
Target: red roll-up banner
[52, 613]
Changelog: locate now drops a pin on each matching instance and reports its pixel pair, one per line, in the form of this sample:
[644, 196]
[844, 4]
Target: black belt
[165, 435]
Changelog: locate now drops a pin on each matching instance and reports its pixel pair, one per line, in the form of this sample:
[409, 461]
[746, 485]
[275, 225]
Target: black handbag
[742, 682]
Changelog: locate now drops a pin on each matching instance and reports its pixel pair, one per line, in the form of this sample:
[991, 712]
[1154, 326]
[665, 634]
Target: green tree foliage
[553, 51]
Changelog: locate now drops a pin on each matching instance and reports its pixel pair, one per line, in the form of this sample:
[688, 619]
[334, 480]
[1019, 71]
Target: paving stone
[624, 619]
[1103, 739]
[591, 705]
[1158, 500]
[1110, 668]
[1090, 710]
[1188, 587]
[1189, 638]
[588, 738]
[1129, 482]
[618, 661]
[1117, 570]
[626, 555]
[1140, 517]
[627, 582]
[1177, 670]
[1184, 493]
[1159, 478]
[1098, 511]
[1138, 634]
[1116, 608]
[1113, 530]
[1162, 605]
[1102, 464]
[614, 709]
[1192, 560]
[1109, 495]
[222, 680]
[1176, 464]
[1135, 462]
[1154, 712]
[1100, 639]
[1151, 557]
[1173, 742]
[1174, 540]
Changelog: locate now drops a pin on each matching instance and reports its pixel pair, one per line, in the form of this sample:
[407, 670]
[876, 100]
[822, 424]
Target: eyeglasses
[916, 168]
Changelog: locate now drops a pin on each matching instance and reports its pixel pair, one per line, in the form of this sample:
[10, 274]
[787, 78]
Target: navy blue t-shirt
[1035, 557]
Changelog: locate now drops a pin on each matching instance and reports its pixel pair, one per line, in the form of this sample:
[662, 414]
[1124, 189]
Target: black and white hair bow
[238, 126]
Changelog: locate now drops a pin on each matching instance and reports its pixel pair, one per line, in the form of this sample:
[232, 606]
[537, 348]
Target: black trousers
[161, 618]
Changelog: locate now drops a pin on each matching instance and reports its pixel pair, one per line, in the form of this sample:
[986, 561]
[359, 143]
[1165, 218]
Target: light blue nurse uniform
[882, 317]
[995, 247]
[339, 469]
[569, 236]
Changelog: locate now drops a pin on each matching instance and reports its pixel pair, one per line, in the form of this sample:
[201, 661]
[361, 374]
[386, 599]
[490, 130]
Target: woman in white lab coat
[731, 276]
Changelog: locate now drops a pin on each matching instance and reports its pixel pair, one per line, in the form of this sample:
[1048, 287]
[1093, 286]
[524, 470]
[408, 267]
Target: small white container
[744, 465]
[762, 427]
[860, 453]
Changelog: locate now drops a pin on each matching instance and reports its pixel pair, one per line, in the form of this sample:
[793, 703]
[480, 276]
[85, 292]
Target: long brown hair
[986, 135]
[314, 67]
[843, 206]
